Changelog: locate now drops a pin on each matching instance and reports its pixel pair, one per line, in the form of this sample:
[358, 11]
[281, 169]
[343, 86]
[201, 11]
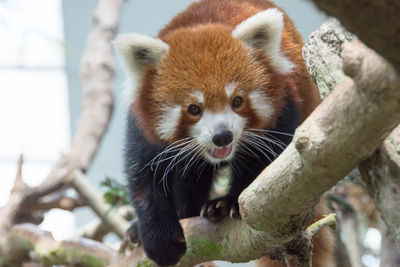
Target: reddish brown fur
[231, 13]
[177, 76]
[202, 30]
[195, 36]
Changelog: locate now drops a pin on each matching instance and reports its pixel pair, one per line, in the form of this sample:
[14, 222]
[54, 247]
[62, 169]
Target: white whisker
[171, 147]
[270, 131]
[195, 155]
[259, 142]
[278, 143]
[187, 150]
[258, 147]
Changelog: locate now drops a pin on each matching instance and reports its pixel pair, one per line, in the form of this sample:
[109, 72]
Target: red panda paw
[218, 208]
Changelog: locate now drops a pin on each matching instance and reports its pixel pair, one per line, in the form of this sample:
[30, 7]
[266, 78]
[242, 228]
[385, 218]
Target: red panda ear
[264, 31]
[139, 51]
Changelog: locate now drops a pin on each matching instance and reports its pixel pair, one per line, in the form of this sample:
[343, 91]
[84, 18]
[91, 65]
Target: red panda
[222, 85]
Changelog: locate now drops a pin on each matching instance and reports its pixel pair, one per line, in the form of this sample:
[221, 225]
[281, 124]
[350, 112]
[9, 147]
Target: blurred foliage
[116, 193]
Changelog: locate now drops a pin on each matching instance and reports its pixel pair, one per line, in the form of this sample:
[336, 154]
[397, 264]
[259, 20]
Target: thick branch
[381, 171]
[375, 22]
[322, 55]
[381, 174]
[229, 240]
[344, 130]
[24, 239]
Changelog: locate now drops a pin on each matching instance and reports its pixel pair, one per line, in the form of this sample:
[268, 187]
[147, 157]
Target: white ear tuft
[264, 31]
[139, 51]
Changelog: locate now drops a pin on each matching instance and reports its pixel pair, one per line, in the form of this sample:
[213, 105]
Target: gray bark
[375, 22]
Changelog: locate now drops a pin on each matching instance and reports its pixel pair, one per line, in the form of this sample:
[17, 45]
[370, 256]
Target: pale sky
[34, 114]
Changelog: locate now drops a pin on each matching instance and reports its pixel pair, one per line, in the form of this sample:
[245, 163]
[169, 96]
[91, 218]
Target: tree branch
[62, 202]
[313, 229]
[381, 174]
[375, 22]
[327, 145]
[97, 229]
[24, 239]
[94, 229]
[17, 195]
[381, 171]
[323, 55]
[105, 212]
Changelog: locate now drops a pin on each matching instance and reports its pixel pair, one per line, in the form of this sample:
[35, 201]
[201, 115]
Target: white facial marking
[210, 123]
[229, 88]
[264, 31]
[199, 96]
[168, 122]
[261, 104]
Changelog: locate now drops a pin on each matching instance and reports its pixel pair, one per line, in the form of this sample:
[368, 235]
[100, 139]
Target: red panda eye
[194, 110]
[237, 102]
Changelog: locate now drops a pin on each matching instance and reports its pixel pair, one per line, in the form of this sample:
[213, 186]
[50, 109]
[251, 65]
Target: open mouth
[221, 152]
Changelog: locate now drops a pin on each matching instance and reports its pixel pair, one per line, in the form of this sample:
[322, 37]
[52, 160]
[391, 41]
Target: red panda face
[210, 87]
[207, 88]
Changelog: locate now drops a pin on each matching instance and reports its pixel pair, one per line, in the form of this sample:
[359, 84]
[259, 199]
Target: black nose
[223, 138]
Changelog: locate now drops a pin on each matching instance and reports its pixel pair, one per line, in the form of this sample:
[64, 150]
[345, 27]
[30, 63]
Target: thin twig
[106, 213]
[63, 202]
[313, 229]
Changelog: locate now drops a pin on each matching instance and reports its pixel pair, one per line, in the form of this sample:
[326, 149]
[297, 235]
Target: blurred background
[41, 44]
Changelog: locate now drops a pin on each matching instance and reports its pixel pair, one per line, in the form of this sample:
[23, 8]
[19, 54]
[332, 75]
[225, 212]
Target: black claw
[133, 233]
[203, 211]
[234, 213]
[218, 208]
[220, 204]
[211, 211]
